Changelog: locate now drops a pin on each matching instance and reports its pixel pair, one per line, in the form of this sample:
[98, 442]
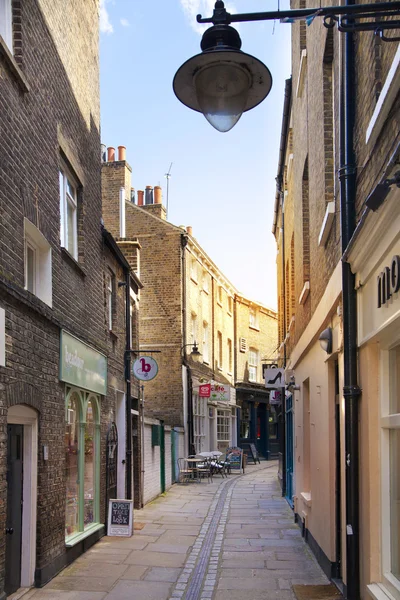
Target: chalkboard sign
[120, 517]
[235, 456]
[254, 453]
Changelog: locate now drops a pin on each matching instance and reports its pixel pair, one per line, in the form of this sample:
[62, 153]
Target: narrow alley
[231, 539]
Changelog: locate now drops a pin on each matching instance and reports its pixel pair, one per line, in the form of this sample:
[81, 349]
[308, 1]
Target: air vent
[243, 344]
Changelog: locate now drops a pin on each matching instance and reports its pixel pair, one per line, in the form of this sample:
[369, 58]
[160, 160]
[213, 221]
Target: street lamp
[195, 354]
[222, 82]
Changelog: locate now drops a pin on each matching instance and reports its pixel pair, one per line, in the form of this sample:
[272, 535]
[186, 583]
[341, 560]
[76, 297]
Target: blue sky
[222, 184]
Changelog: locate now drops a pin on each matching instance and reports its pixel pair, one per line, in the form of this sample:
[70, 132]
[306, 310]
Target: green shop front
[258, 420]
[84, 373]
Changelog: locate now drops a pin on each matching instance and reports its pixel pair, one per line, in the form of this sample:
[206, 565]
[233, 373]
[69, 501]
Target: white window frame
[253, 318]
[389, 422]
[230, 305]
[66, 199]
[219, 349]
[6, 31]
[206, 357]
[229, 346]
[110, 298]
[193, 270]
[193, 331]
[206, 282]
[253, 365]
[199, 422]
[223, 425]
[219, 295]
[42, 276]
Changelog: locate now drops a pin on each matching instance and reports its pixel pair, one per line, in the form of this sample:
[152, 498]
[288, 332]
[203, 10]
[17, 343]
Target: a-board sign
[254, 453]
[120, 517]
[235, 456]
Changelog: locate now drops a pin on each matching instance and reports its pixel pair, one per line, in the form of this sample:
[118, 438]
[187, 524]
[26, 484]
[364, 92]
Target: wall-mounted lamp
[291, 386]
[325, 340]
[378, 195]
[195, 354]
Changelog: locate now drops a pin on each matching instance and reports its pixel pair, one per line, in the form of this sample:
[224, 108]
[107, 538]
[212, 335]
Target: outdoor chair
[218, 466]
[203, 467]
[185, 472]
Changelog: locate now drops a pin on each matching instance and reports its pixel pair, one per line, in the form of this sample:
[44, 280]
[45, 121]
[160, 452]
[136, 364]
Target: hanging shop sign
[219, 392]
[145, 368]
[120, 517]
[388, 281]
[205, 390]
[274, 397]
[274, 378]
[81, 365]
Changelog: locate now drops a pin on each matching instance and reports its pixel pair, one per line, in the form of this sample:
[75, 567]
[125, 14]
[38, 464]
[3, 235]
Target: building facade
[61, 365]
[339, 469]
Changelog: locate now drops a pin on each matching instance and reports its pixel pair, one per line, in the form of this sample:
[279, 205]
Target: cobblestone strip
[206, 550]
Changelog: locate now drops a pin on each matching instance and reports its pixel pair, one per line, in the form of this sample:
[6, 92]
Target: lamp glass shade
[195, 354]
[222, 91]
[325, 340]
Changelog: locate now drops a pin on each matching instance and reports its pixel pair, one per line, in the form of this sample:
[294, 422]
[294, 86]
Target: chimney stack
[148, 199]
[140, 195]
[189, 230]
[121, 153]
[110, 154]
[157, 195]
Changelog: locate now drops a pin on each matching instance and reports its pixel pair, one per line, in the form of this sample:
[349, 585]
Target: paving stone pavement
[231, 539]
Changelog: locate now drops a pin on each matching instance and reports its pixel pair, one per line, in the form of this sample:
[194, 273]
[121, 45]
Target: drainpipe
[184, 241]
[128, 387]
[351, 391]
[283, 390]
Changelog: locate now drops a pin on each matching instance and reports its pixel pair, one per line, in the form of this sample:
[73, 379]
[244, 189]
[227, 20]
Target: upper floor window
[6, 23]
[110, 299]
[219, 296]
[206, 282]
[193, 269]
[193, 332]
[37, 268]
[253, 318]
[253, 364]
[230, 304]
[69, 213]
[205, 342]
[230, 356]
[219, 339]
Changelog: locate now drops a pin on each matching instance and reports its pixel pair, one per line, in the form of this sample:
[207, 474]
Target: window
[6, 23]
[82, 454]
[193, 269]
[219, 297]
[253, 364]
[193, 332]
[110, 299]
[223, 425]
[391, 468]
[199, 422]
[253, 318]
[205, 342]
[206, 278]
[69, 214]
[229, 356]
[37, 268]
[230, 304]
[219, 341]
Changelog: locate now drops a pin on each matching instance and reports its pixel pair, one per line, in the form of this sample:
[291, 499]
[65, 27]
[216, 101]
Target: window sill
[74, 263]
[306, 497]
[78, 537]
[13, 66]
[194, 280]
[206, 291]
[229, 313]
[378, 592]
[254, 327]
[219, 303]
[113, 335]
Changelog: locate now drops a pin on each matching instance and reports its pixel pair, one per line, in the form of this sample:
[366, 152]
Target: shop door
[289, 449]
[162, 457]
[14, 507]
[111, 465]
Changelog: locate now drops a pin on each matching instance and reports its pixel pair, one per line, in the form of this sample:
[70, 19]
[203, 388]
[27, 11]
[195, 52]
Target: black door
[14, 507]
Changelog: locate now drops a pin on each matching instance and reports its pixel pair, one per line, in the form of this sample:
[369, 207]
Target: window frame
[66, 200]
[230, 355]
[219, 351]
[31, 246]
[223, 425]
[389, 421]
[199, 422]
[83, 397]
[35, 241]
[253, 318]
[110, 290]
[253, 360]
[206, 355]
[193, 328]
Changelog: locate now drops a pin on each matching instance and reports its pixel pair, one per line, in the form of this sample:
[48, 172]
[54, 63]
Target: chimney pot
[148, 199]
[121, 153]
[189, 229]
[110, 154]
[157, 194]
[140, 195]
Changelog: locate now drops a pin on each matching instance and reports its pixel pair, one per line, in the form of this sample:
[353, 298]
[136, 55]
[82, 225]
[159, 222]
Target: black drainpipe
[184, 241]
[128, 327]
[351, 391]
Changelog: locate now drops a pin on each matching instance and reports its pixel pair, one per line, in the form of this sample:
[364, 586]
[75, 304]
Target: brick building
[349, 524]
[61, 368]
[185, 299]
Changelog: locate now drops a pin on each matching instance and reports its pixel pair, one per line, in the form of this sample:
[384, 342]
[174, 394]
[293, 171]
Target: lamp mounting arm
[346, 17]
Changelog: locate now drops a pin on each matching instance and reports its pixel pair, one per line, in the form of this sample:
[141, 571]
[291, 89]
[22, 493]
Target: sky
[222, 184]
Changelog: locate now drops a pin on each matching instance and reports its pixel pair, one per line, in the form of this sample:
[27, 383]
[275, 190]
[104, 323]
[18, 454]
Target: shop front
[258, 421]
[84, 373]
[375, 258]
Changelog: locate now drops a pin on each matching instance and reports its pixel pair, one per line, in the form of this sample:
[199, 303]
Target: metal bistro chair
[218, 465]
[203, 467]
[185, 473]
